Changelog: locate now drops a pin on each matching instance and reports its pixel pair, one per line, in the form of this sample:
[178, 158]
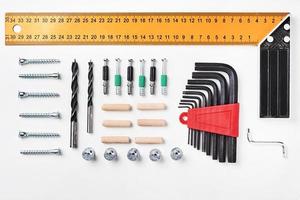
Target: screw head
[133, 154]
[55, 114]
[155, 155]
[22, 134]
[22, 94]
[176, 153]
[23, 61]
[110, 154]
[88, 154]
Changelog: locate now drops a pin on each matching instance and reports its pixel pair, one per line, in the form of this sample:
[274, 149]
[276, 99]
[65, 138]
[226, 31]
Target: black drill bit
[90, 98]
[74, 106]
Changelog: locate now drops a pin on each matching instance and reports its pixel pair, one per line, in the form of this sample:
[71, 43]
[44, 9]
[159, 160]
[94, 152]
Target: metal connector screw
[89, 154]
[23, 134]
[40, 76]
[176, 153]
[40, 115]
[41, 152]
[23, 61]
[110, 154]
[133, 154]
[23, 95]
[155, 155]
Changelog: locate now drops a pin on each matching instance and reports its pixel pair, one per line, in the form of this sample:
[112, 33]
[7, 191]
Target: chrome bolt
[41, 152]
[89, 154]
[110, 154]
[155, 155]
[23, 95]
[23, 134]
[176, 153]
[23, 61]
[40, 115]
[40, 76]
[133, 154]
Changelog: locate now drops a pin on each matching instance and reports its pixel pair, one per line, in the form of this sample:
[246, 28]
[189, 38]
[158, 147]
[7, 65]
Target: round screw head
[22, 61]
[155, 155]
[110, 154]
[176, 153]
[88, 154]
[22, 94]
[22, 134]
[133, 154]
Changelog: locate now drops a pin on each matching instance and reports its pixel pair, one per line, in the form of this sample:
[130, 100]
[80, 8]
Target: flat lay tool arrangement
[210, 96]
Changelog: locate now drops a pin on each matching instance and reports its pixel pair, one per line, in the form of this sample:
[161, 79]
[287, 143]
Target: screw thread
[38, 61]
[40, 76]
[40, 152]
[37, 134]
[42, 94]
[142, 91]
[164, 90]
[40, 115]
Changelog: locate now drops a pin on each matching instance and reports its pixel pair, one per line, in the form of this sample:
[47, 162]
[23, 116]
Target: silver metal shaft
[41, 152]
[40, 76]
[40, 115]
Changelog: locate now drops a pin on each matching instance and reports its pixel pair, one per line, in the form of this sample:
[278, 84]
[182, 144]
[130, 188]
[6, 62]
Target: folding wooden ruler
[269, 30]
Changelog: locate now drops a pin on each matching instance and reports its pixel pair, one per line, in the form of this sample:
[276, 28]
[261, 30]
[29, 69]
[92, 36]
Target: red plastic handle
[222, 119]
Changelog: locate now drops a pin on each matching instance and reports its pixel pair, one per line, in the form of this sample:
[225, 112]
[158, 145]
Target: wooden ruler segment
[139, 28]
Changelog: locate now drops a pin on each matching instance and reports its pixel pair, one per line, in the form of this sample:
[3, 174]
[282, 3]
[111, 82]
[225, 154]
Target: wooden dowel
[115, 139]
[149, 140]
[116, 107]
[151, 106]
[117, 123]
[152, 122]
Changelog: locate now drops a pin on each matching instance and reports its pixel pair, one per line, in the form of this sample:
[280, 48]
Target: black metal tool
[275, 73]
[74, 106]
[153, 77]
[105, 77]
[211, 100]
[223, 100]
[198, 134]
[206, 141]
[90, 98]
[130, 77]
[232, 89]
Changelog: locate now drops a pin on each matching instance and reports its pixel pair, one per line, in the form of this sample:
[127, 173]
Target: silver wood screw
[23, 61]
[40, 76]
[23, 134]
[40, 115]
[23, 95]
[41, 152]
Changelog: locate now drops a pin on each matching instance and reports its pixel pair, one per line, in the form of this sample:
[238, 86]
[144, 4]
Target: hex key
[188, 106]
[215, 101]
[207, 100]
[198, 134]
[211, 100]
[232, 88]
[223, 100]
[193, 104]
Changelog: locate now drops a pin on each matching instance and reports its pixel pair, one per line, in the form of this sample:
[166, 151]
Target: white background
[261, 172]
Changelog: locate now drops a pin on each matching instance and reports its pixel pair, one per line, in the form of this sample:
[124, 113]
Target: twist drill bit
[130, 77]
[90, 99]
[152, 76]
[105, 76]
[74, 106]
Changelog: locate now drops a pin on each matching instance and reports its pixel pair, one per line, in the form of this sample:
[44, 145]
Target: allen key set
[210, 96]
